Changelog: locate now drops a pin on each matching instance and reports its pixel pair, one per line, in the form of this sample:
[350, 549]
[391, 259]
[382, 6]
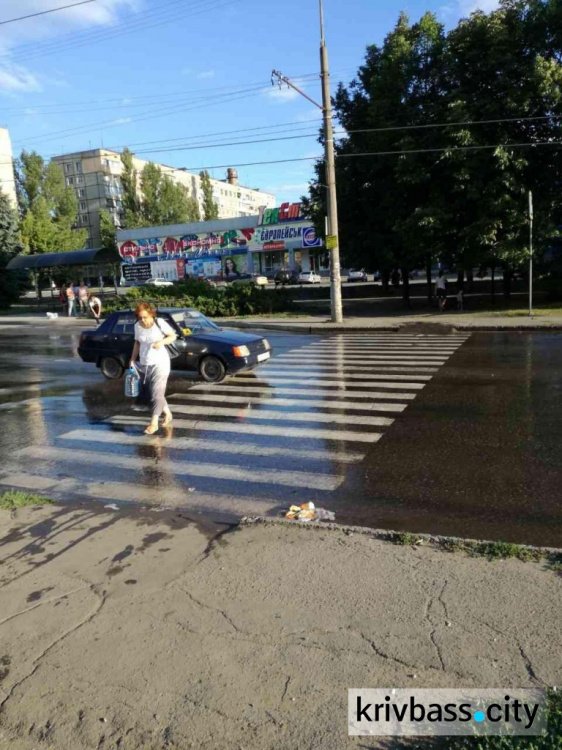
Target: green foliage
[159, 201]
[16, 499]
[221, 302]
[48, 208]
[107, 231]
[439, 182]
[210, 208]
[9, 245]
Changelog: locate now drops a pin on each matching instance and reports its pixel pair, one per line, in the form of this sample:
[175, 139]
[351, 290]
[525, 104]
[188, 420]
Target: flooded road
[451, 433]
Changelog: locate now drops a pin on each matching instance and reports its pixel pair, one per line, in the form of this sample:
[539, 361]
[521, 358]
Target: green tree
[210, 208]
[107, 231]
[9, 246]
[131, 203]
[431, 165]
[48, 208]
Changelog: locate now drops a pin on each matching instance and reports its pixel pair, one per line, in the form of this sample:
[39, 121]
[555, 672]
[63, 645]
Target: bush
[215, 302]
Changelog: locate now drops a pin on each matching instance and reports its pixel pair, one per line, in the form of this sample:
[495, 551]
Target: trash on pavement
[112, 506]
[308, 512]
[52, 316]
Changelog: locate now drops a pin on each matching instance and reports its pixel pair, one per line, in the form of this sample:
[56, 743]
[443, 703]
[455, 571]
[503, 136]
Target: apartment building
[7, 179]
[96, 177]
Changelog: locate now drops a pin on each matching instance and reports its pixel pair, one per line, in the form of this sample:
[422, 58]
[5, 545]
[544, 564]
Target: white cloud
[206, 74]
[122, 120]
[14, 78]
[42, 29]
[463, 8]
[282, 95]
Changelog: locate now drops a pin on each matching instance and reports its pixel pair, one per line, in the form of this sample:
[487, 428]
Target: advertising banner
[187, 247]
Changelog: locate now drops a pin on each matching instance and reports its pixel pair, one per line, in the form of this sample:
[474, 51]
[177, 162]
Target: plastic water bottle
[132, 383]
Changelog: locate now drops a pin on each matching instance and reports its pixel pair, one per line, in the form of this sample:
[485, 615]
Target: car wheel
[111, 368]
[212, 370]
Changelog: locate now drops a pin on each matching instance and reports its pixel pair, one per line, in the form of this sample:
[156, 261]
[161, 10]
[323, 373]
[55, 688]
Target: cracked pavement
[129, 629]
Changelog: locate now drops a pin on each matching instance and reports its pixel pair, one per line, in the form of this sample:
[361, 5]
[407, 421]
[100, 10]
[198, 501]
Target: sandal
[167, 419]
[151, 429]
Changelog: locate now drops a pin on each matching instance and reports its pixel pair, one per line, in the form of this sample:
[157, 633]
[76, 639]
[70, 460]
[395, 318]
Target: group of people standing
[76, 299]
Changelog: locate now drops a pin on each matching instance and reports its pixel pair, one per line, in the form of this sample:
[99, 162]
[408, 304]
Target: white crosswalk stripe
[290, 390]
[192, 468]
[210, 445]
[283, 432]
[336, 396]
[374, 381]
[310, 404]
[277, 416]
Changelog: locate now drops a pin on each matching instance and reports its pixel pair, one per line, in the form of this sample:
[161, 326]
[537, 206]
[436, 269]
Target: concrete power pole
[332, 201]
[332, 242]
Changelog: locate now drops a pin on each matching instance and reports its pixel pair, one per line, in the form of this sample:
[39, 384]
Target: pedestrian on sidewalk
[71, 299]
[152, 334]
[460, 294]
[62, 298]
[441, 290]
[95, 307]
[83, 298]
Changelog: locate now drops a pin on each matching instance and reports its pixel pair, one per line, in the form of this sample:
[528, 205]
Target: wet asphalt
[455, 434]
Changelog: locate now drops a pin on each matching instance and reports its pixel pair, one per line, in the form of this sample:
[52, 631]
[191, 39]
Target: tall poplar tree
[210, 208]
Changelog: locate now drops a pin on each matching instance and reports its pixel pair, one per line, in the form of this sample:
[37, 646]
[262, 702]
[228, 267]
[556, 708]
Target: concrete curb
[294, 327]
[387, 535]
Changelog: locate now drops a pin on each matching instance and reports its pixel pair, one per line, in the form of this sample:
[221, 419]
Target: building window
[68, 168]
[81, 193]
[70, 180]
[78, 166]
[83, 218]
[83, 206]
[79, 180]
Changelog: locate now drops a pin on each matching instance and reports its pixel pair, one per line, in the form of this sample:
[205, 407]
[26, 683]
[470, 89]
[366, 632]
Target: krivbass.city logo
[443, 712]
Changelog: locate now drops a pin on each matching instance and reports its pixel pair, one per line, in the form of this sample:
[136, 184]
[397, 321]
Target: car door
[121, 339]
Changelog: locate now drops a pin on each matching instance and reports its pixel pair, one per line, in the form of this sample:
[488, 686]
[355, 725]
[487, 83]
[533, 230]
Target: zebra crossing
[298, 424]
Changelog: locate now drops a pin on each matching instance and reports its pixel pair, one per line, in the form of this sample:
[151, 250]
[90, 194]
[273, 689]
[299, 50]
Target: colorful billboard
[188, 246]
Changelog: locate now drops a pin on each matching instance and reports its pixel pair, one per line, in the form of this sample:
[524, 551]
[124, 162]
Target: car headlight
[266, 345]
[241, 351]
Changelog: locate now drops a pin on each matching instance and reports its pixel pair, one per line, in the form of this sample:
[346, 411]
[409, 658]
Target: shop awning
[72, 258]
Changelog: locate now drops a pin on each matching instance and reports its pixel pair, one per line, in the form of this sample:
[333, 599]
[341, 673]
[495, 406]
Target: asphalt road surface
[446, 433]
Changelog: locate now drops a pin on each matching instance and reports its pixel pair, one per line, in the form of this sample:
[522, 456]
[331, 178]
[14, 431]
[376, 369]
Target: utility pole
[332, 242]
[530, 253]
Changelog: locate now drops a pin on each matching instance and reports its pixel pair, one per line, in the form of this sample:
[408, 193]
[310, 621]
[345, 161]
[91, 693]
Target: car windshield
[194, 321]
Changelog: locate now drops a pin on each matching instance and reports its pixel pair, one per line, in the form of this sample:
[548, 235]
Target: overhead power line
[44, 12]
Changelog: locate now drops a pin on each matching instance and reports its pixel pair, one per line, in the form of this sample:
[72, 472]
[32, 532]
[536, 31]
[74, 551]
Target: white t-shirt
[442, 283]
[148, 336]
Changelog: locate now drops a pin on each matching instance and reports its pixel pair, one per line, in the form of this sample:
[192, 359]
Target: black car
[286, 276]
[205, 348]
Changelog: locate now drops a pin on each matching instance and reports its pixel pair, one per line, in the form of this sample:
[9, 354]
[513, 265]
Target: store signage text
[285, 212]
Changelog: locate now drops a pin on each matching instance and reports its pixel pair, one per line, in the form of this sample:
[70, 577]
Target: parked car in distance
[286, 276]
[250, 279]
[354, 275]
[309, 277]
[205, 348]
[158, 282]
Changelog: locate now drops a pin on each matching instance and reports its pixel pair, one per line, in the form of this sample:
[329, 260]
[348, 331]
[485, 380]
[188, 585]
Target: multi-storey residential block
[7, 179]
[96, 177]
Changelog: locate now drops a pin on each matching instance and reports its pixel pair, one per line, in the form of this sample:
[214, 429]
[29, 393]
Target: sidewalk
[424, 321]
[127, 629]
[322, 324]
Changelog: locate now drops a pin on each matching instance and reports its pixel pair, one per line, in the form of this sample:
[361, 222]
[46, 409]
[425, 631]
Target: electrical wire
[151, 20]
[44, 12]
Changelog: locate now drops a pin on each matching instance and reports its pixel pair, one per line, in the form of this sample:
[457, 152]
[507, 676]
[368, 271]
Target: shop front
[284, 238]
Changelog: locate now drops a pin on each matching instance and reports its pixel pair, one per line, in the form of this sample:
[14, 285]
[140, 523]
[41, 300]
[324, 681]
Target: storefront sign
[274, 246]
[137, 272]
[309, 238]
[285, 212]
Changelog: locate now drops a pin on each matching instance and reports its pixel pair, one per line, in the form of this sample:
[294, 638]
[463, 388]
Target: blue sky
[165, 76]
